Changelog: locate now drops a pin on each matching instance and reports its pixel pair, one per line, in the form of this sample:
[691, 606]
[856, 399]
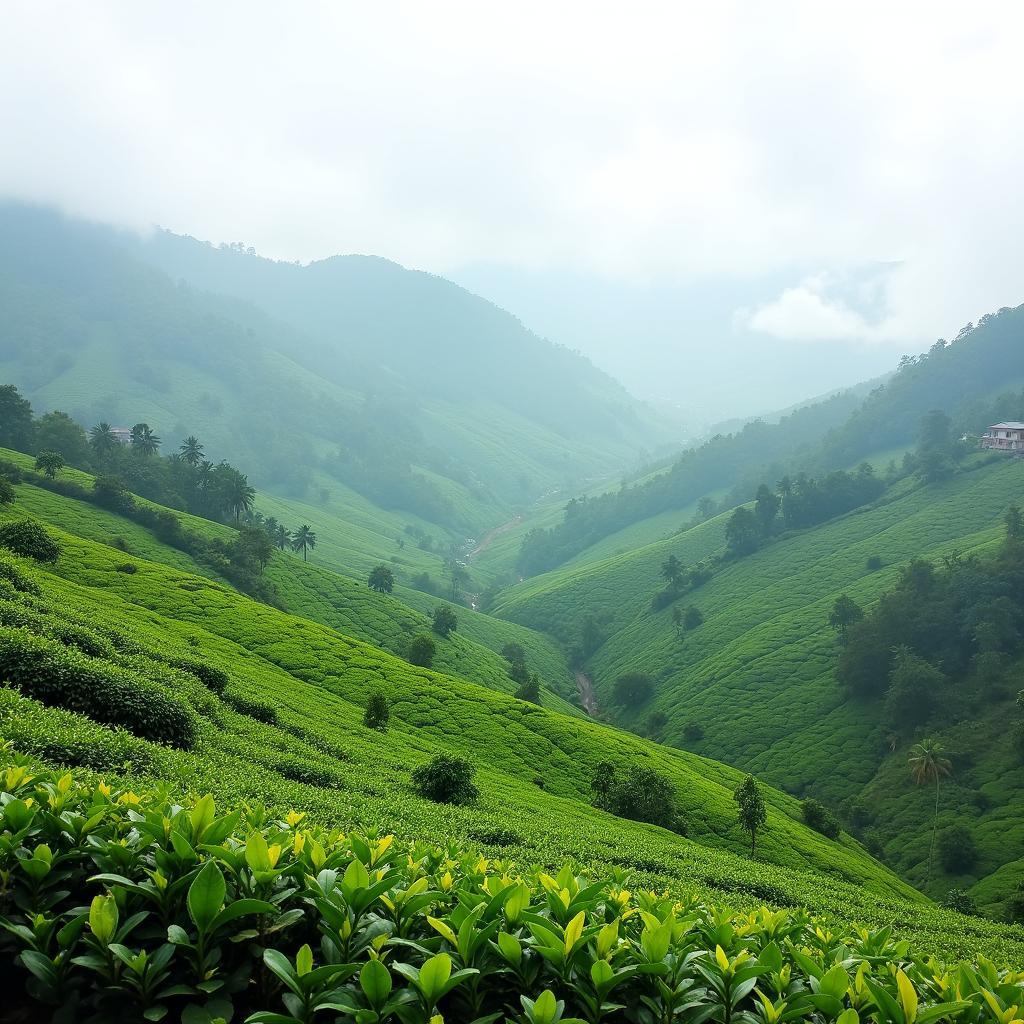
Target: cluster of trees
[798, 503]
[528, 682]
[679, 579]
[850, 426]
[937, 624]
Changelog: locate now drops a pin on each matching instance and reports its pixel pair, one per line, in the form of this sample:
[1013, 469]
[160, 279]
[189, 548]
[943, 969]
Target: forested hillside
[739, 660]
[353, 374]
[962, 378]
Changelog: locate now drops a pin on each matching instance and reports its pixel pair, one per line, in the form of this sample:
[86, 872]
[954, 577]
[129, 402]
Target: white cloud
[675, 143]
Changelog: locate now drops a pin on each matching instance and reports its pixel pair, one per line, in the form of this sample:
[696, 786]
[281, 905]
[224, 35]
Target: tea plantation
[755, 683]
[169, 695]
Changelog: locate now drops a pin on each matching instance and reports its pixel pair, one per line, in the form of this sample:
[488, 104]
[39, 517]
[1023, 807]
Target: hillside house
[1004, 437]
[123, 435]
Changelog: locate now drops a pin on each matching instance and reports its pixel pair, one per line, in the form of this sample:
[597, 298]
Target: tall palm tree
[304, 538]
[927, 765]
[191, 450]
[144, 440]
[239, 494]
[281, 537]
[101, 439]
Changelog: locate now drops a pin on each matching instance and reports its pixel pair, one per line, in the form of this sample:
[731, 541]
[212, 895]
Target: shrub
[378, 712]
[254, 709]
[214, 678]
[874, 563]
[693, 731]
[444, 622]
[692, 618]
[663, 598]
[446, 780]
[309, 773]
[381, 579]
[11, 471]
[28, 538]
[529, 690]
[957, 850]
[496, 835]
[639, 794]
[633, 688]
[63, 677]
[7, 494]
[17, 579]
[128, 568]
[961, 901]
[820, 818]
[513, 652]
[656, 722]
[421, 650]
[111, 493]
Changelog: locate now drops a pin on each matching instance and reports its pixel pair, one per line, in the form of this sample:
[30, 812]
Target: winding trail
[587, 696]
[488, 538]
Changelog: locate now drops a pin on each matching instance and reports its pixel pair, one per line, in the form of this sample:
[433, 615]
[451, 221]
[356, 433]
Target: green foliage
[693, 618]
[958, 851]
[378, 712]
[961, 901]
[444, 621]
[421, 650]
[817, 816]
[529, 689]
[381, 579]
[446, 780]
[845, 613]
[60, 676]
[633, 688]
[913, 689]
[26, 537]
[742, 532]
[49, 463]
[751, 809]
[638, 793]
[405, 930]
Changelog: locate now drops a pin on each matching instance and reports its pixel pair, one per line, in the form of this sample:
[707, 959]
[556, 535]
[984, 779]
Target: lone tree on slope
[49, 463]
[752, 811]
[381, 579]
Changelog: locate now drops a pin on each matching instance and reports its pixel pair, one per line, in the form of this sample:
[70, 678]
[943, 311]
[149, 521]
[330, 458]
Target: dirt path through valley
[489, 537]
[587, 697]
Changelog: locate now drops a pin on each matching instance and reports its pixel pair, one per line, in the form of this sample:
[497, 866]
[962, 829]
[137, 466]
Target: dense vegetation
[833, 435]
[352, 373]
[245, 914]
[755, 682]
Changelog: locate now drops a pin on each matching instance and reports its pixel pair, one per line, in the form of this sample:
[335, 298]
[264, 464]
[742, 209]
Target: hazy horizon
[728, 210]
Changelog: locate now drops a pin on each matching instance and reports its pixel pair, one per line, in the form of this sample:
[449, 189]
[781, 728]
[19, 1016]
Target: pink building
[1004, 437]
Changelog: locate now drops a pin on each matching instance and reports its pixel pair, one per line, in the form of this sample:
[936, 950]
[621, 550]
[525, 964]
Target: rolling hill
[341, 384]
[755, 683]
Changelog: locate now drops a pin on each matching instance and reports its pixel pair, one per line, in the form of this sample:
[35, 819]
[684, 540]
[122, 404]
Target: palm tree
[927, 765]
[50, 463]
[144, 440]
[281, 537]
[304, 538]
[239, 496]
[101, 439]
[191, 450]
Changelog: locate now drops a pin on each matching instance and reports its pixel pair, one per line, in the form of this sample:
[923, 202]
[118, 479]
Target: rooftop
[1011, 425]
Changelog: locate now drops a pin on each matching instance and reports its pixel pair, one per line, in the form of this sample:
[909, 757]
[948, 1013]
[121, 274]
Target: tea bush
[127, 906]
[63, 677]
[446, 780]
[28, 538]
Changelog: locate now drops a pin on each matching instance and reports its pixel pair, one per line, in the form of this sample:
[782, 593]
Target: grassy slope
[318, 674]
[758, 675]
[335, 600]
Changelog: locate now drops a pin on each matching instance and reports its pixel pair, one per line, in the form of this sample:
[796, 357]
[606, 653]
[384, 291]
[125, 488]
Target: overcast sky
[842, 180]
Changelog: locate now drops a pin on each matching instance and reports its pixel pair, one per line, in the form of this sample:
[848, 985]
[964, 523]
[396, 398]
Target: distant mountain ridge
[401, 385]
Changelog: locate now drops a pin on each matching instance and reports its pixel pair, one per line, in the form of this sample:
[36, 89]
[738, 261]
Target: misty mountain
[400, 384]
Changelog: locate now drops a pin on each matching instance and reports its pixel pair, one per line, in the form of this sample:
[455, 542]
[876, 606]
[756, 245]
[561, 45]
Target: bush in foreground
[402, 932]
